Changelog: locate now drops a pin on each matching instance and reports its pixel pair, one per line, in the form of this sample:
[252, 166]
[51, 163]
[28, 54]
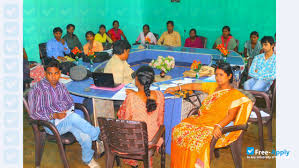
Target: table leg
[96, 124]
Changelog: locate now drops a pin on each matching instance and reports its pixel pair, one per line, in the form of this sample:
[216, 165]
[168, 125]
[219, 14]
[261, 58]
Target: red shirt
[197, 43]
[115, 35]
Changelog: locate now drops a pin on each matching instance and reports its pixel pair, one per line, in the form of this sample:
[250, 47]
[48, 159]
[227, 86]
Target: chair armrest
[229, 129]
[234, 128]
[49, 125]
[156, 138]
[84, 110]
[264, 95]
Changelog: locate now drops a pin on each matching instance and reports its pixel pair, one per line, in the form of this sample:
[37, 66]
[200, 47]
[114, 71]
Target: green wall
[207, 16]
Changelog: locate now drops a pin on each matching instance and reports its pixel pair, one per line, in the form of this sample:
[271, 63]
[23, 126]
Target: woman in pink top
[116, 33]
[193, 41]
[144, 105]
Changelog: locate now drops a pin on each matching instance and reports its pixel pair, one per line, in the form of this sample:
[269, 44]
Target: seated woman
[146, 35]
[253, 46]
[228, 41]
[190, 144]
[116, 33]
[102, 36]
[144, 105]
[193, 41]
[91, 44]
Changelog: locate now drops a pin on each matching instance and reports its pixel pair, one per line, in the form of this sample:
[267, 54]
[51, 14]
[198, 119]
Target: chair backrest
[26, 104]
[238, 42]
[42, 52]
[157, 36]
[125, 136]
[204, 41]
[273, 95]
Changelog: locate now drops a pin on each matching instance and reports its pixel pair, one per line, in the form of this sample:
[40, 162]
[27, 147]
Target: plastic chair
[43, 52]
[40, 136]
[157, 36]
[270, 98]
[204, 41]
[129, 139]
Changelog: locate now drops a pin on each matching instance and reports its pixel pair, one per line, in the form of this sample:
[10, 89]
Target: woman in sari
[190, 144]
[144, 105]
[228, 41]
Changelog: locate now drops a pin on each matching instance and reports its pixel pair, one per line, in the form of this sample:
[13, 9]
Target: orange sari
[190, 144]
[133, 108]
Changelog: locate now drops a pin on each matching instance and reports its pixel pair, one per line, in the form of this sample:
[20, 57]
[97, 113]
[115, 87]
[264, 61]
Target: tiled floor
[51, 157]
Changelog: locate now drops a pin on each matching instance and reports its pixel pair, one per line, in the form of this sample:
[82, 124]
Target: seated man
[50, 100]
[71, 39]
[118, 65]
[170, 37]
[263, 68]
[91, 44]
[57, 46]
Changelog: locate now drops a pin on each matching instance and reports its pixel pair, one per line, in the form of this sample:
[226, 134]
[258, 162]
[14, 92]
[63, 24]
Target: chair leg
[110, 159]
[269, 125]
[163, 155]
[117, 161]
[39, 148]
[261, 136]
[236, 148]
[61, 149]
[146, 161]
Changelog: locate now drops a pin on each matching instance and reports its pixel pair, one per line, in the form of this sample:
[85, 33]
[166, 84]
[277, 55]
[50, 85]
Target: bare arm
[191, 86]
[232, 113]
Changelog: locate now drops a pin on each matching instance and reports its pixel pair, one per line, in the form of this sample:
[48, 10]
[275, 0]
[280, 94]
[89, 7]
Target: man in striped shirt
[49, 100]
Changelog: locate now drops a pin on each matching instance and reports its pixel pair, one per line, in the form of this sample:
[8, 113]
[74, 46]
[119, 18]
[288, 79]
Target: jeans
[257, 84]
[83, 131]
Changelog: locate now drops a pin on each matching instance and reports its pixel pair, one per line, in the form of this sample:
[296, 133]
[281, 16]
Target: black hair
[268, 39]
[192, 30]
[120, 46]
[254, 33]
[170, 22]
[227, 69]
[89, 32]
[226, 27]
[115, 21]
[70, 25]
[52, 63]
[146, 76]
[102, 26]
[146, 25]
[57, 29]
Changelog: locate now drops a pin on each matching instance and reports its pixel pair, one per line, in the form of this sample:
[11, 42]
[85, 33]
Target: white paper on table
[210, 79]
[184, 81]
[121, 94]
[70, 111]
[263, 114]
[63, 80]
[165, 86]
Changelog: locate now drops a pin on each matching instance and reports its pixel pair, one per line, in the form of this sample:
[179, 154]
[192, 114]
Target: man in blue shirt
[263, 68]
[57, 46]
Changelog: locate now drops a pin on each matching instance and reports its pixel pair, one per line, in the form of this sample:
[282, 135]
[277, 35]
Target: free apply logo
[251, 151]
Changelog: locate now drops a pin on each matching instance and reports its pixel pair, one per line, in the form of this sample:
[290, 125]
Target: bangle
[218, 125]
[180, 87]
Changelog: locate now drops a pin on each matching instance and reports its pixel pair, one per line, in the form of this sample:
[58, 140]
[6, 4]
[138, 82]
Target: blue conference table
[138, 57]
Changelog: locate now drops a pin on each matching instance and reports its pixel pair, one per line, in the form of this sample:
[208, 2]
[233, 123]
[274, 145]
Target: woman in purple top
[193, 41]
